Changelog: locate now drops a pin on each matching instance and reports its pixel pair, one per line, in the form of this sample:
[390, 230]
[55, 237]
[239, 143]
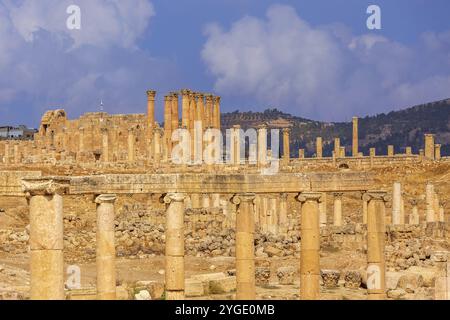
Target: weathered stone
[222, 285]
[352, 279]
[330, 278]
[286, 275]
[262, 276]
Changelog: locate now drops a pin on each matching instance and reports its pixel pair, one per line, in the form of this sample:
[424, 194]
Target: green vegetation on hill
[399, 128]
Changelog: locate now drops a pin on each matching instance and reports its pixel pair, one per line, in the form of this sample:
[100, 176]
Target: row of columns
[46, 243]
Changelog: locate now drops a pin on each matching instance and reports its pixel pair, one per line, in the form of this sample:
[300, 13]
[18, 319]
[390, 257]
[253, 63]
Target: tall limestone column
[81, 140]
[106, 250]
[6, 156]
[274, 223]
[414, 217]
[217, 112]
[319, 147]
[45, 198]
[262, 145]
[16, 153]
[175, 114]
[396, 203]
[167, 126]
[192, 122]
[185, 102]
[429, 201]
[131, 147]
[105, 145]
[208, 110]
[355, 147]
[174, 246]
[245, 250]
[323, 210]
[206, 201]
[337, 221]
[391, 151]
[337, 147]
[442, 211]
[376, 229]
[364, 208]
[429, 146]
[198, 131]
[151, 94]
[437, 151]
[310, 246]
[286, 147]
[157, 152]
[237, 145]
[283, 218]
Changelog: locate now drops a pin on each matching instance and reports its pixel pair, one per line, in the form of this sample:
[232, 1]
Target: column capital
[243, 197]
[151, 94]
[174, 95]
[283, 196]
[104, 130]
[377, 195]
[185, 92]
[262, 127]
[414, 202]
[45, 186]
[338, 194]
[286, 130]
[309, 196]
[209, 97]
[442, 203]
[216, 99]
[105, 198]
[173, 197]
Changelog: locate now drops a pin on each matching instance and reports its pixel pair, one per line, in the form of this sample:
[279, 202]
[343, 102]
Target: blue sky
[315, 59]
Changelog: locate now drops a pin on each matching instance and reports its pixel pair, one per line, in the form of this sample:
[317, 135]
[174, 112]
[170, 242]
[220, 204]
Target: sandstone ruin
[102, 193]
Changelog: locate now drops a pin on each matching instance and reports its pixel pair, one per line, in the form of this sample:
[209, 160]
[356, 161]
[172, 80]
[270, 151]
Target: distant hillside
[399, 128]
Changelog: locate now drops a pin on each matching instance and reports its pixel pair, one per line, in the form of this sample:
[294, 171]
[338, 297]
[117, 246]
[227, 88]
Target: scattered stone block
[352, 279]
[262, 276]
[194, 288]
[286, 275]
[222, 285]
[330, 278]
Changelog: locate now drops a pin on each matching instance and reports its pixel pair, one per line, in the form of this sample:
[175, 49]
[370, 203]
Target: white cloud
[103, 22]
[44, 65]
[323, 71]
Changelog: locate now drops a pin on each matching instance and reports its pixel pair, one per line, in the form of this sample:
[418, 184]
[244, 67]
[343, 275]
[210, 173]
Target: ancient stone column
[263, 217]
[245, 251]
[185, 115]
[310, 246]
[286, 147]
[6, 157]
[429, 146]
[283, 218]
[168, 126]
[46, 237]
[208, 110]
[16, 153]
[441, 211]
[262, 145]
[217, 112]
[396, 203]
[390, 151]
[301, 153]
[323, 210]
[274, 224]
[342, 152]
[106, 250]
[408, 151]
[157, 135]
[364, 208]
[131, 147]
[175, 114]
[105, 145]
[151, 94]
[429, 199]
[206, 203]
[437, 152]
[237, 144]
[337, 147]
[319, 147]
[355, 148]
[174, 246]
[198, 131]
[414, 217]
[195, 200]
[81, 140]
[337, 221]
[376, 268]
